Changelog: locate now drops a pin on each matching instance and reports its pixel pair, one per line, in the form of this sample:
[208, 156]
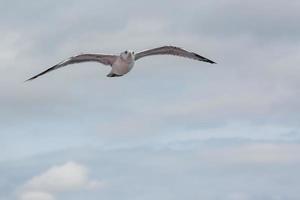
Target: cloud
[257, 153]
[36, 196]
[68, 177]
[252, 93]
[231, 168]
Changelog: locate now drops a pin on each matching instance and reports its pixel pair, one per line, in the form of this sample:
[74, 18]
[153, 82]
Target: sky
[172, 128]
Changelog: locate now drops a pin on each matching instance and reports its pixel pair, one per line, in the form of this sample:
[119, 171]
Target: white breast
[122, 67]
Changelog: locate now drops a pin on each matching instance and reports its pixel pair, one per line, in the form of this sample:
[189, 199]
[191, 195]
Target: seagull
[123, 63]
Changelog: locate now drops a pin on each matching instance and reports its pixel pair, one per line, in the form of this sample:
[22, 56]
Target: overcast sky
[172, 128]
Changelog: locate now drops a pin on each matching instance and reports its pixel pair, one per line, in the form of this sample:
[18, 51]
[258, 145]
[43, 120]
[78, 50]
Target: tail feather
[111, 74]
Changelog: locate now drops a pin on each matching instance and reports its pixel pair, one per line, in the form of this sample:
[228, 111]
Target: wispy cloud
[257, 153]
[172, 128]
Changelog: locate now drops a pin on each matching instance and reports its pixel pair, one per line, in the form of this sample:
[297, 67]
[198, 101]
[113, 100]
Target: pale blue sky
[172, 128]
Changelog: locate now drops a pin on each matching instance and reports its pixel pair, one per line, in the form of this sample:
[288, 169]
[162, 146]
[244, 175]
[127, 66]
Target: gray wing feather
[104, 59]
[171, 50]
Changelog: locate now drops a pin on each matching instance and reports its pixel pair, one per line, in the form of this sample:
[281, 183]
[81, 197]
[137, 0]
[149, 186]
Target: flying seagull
[122, 64]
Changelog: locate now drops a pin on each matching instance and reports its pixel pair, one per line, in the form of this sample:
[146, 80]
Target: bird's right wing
[171, 50]
[104, 59]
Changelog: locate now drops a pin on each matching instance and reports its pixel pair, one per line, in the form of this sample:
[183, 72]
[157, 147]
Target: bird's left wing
[104, 59]
[171, 50]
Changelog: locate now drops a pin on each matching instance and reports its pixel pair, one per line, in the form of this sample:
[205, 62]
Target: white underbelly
[121, 68]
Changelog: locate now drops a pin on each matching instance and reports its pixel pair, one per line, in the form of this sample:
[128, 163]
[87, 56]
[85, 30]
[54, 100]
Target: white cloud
[70, 176]
[60, 178]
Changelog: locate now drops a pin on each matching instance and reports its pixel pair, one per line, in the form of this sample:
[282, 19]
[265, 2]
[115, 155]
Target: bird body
[123, 63]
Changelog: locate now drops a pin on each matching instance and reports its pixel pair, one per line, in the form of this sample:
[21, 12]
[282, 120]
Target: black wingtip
[210, 61]
[30, 79]
[204, 59]
[42, 73]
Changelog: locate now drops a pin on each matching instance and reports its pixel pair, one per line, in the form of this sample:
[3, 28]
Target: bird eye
[126, 52]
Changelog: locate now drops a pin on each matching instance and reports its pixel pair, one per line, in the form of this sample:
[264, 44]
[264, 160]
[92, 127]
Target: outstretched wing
[104, 59]
[171, 50]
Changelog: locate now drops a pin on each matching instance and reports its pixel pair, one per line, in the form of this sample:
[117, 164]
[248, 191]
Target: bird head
[127, 55]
